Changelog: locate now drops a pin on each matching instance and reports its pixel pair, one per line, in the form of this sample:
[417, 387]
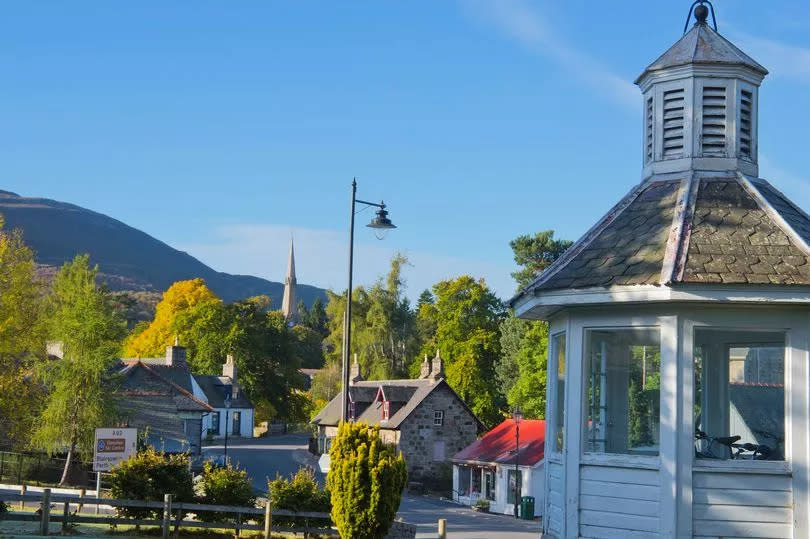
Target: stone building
[426, 420]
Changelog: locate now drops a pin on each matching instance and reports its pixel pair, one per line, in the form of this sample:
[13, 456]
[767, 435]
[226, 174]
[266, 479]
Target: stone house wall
[428, 448]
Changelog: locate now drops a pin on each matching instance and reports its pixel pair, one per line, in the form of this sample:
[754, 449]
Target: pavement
[284, 454]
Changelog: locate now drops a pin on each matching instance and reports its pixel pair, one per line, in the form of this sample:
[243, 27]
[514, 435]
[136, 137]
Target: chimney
[176, 355]
[437, 369]
[229, 368]
[354, 372]
[425, 372]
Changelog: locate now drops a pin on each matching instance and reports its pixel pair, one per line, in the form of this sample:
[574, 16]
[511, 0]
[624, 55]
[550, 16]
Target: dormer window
[386, 410]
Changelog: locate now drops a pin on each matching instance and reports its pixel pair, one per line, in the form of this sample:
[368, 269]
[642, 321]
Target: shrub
[366, 479]
[300, 492]
[149, 475]
[224, 486]
[3, 509]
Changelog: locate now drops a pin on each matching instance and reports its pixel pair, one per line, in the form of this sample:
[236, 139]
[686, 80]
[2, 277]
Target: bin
[527, 508]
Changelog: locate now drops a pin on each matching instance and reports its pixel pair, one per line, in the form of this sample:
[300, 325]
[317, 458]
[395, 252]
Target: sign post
[112, 446]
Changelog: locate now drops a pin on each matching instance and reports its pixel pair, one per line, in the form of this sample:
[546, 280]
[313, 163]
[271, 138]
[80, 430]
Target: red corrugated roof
[498, 445]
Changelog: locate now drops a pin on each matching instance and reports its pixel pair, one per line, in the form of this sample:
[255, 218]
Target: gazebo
[679, 327]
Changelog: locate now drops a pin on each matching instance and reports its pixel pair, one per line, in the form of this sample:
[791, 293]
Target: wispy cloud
[321, 259]
[781, 59]
[519, 20]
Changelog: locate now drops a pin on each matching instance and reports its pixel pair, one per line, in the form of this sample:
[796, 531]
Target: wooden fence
[242, 514]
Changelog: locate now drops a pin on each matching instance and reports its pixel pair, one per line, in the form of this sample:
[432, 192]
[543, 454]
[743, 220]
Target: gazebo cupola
[678, 401]
[700, 105]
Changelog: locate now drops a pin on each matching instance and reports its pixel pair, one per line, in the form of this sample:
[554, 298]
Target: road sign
[112, 446]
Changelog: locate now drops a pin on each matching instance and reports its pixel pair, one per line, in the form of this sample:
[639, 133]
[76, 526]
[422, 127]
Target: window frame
[553, 397]
[386, 410]
[438, 418]
[752, 324]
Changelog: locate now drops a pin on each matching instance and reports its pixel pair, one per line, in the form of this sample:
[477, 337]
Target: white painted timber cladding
[556, 499]
[618, 502]
[742, 505]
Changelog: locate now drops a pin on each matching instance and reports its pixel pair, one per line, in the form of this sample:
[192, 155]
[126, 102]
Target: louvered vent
[673, 123]
[746, 108]
[650, 112]
[714, 120]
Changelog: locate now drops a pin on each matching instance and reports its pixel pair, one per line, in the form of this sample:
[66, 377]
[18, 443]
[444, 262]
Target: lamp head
[517, 415]
[381, 223]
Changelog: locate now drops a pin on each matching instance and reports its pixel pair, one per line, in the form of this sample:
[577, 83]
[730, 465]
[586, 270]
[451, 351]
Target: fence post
[442, 528]
[268, 519]
[82, 493]
[167, 514]
[19, 468]
[23, 488]
[45, 518]
[98, 490]
[66, 517]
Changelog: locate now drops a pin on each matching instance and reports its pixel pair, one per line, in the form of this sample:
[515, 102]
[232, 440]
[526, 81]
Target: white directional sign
[112, 446]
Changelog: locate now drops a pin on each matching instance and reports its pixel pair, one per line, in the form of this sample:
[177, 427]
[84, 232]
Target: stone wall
[427, 448]
[401, 530]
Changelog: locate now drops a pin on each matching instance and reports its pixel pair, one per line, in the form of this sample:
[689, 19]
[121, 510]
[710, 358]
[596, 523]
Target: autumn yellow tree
[180, 303]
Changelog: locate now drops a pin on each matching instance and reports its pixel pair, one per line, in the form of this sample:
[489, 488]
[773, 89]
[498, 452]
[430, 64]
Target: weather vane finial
[701, 14]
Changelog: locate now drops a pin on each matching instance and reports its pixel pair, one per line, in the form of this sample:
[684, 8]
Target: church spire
[289, 306]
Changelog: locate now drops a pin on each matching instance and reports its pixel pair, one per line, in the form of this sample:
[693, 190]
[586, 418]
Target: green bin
[527, 508]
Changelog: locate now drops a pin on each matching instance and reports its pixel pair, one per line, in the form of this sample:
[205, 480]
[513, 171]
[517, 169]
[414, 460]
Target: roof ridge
[586, 239]
[773, 214]
[680, 218]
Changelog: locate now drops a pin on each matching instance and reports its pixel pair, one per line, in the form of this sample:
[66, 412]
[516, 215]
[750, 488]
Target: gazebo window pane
[558, 349]
[623, 367]
[464, 480]
[739, 392]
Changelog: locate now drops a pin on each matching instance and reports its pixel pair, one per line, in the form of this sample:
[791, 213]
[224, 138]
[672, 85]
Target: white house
[679, 327]
[485, 470]
[231, 406]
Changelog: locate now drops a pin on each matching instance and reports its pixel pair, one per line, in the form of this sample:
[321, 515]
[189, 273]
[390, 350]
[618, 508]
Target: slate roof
[498, 445]
[145, 381]
[215, 389]
[405, 396]
[718, 229]
[702, 45]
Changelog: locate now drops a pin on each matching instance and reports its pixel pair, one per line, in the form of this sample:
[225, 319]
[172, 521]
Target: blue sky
[222, 128]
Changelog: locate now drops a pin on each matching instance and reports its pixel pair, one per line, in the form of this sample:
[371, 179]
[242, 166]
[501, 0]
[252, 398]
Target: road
[285, 454]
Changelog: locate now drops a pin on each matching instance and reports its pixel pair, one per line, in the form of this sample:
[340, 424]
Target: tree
[22, 337]
[325, 385]
[467, 317]
[307, 347]
[182, 303]
[83, 318]
[366, 478]
[383, 326]
[535, 253]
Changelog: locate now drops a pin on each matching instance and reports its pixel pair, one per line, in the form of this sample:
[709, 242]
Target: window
[386, 411]
[352, 410]
[713, 139]
[673, 122]
[476, 480]
[438, 418]
[739, 393]
[511, 482]
[438, 450]
[622, 412]
[464, 480]
[215, 422]
[237, 423]
[489, 484]
[558, 351]
[746, 123]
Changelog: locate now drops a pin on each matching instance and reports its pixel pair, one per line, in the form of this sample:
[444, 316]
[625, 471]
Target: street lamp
[517, 416]
[227, 407]
[381, 225]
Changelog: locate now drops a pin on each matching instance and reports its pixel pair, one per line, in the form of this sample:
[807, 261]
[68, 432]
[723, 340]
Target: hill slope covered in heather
[128, 258]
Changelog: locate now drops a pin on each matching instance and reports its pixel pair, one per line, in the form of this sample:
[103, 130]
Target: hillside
[128, 258]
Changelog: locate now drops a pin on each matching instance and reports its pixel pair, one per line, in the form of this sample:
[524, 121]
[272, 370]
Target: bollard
[81, 495]
[23, 488]
[442, 528]
[167, 514]
[268, 519]
[45, 518]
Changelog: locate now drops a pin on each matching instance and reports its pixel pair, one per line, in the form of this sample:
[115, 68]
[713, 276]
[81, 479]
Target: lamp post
[381, 223]
[517, 416]
[227, 407]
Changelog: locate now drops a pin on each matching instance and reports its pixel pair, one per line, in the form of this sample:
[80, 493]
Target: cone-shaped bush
[366, 479]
